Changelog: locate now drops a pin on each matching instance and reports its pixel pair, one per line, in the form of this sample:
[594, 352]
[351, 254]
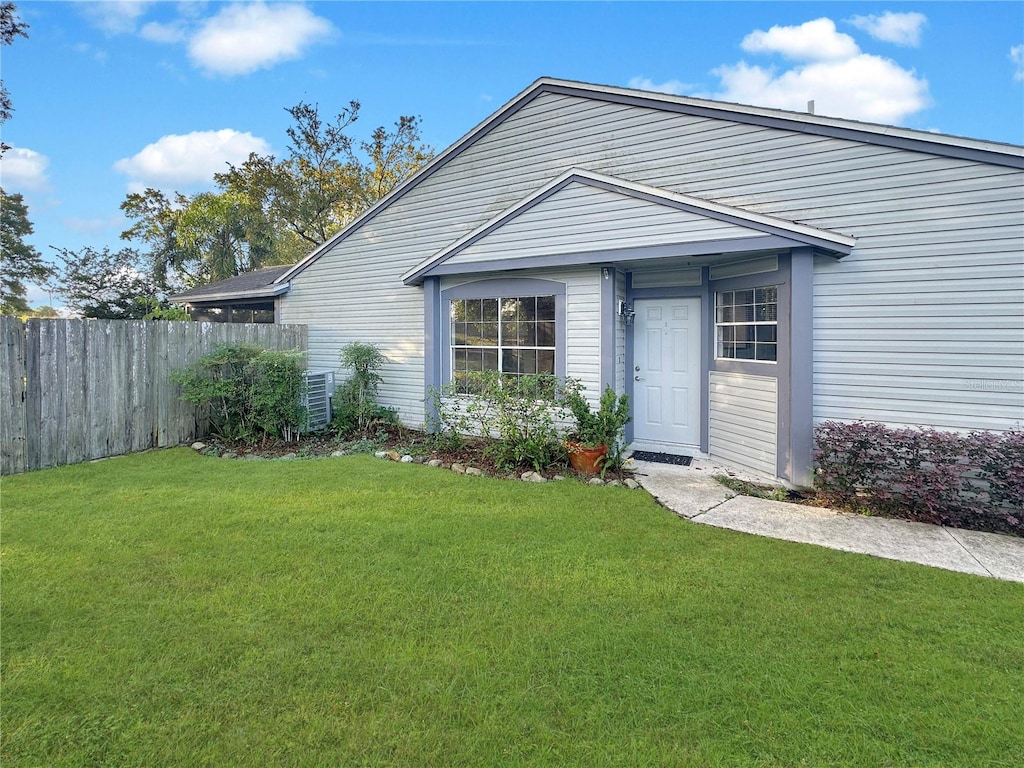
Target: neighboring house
[247, 298]
[742, 273]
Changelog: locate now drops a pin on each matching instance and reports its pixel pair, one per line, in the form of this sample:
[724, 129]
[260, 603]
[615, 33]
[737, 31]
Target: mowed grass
[173, 609]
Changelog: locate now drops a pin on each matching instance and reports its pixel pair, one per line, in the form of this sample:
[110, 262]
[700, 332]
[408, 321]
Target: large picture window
[746, 324]
[512, 335]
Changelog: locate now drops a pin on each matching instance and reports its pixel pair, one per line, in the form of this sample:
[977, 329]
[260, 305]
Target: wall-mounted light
[625, 312]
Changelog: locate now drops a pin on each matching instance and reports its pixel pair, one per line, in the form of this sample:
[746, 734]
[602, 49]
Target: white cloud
[156, 32]
[115, 17]
[1017, 57]
[244, 38]
[22, 170]
[815, 40]
[830, 70]
[188, 160]
[898, 28]
[863, 87]
[677, 87]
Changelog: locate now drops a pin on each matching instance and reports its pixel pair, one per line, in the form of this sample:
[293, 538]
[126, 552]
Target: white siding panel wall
[743, 419]
[582, 218]
[939, 241]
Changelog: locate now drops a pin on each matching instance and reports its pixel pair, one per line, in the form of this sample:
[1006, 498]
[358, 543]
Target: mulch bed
[404, 441]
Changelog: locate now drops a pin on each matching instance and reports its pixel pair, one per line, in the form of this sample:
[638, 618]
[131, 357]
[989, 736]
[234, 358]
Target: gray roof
[258, 284]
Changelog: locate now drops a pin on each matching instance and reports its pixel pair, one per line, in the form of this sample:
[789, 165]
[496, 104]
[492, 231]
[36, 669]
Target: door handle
[637, 378]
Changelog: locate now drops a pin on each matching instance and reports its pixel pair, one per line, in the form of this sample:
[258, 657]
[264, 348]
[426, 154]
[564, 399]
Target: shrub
[605, 426]
[520, 412]
[970, 481]
[354, 403]
[247, 392]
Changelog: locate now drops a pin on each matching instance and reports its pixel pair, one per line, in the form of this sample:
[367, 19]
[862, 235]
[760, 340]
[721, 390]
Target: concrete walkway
[691, 492]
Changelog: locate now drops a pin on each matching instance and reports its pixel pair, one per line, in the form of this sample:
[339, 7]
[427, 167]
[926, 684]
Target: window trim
[499, 288]
[752, 323]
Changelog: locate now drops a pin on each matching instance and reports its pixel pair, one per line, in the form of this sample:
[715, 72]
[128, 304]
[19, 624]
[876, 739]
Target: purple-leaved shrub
[973, 480]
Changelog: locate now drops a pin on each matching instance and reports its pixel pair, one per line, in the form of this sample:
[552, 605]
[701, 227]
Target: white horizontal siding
[932, 233]
[743, 420]
[581, 218]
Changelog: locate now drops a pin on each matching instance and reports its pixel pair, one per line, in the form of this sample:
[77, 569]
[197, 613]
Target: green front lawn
[174, 609]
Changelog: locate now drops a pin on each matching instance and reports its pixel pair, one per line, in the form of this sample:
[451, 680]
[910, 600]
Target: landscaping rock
[459, 468]
[229, 455]
[631, 484]
[533, 477]
[290, 456]
[336, 454]
[474, 471]
[381, 454]
[394, 456]
[254, 457]
[614, 483]
[435, 463]
[197, 446]
[417, 459]
[558, 477]
[596, 481]
[407, 459]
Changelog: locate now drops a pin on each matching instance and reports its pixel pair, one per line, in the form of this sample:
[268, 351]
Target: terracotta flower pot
[586, 459]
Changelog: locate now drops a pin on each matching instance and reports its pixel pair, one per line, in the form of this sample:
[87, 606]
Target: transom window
[512, 335]
[746, 324]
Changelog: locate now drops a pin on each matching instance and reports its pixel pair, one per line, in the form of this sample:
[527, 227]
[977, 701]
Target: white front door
[666, 374]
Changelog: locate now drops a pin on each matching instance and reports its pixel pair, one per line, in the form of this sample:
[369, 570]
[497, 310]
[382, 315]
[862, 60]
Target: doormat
[662, 458]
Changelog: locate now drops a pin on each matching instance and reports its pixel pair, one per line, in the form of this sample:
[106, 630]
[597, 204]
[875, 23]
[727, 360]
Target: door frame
[702, 292]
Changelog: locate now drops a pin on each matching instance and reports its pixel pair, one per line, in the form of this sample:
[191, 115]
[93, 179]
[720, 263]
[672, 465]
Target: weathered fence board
[75, 390]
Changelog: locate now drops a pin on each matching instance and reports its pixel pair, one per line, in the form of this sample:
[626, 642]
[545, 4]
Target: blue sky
[110, 97]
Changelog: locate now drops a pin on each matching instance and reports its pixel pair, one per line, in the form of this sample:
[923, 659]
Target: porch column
[609, 319]
[431, 346]
[799, 459]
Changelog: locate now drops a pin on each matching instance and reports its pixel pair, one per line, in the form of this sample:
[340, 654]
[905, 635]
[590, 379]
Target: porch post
[431, 346]
[799, 465]
[608, 327]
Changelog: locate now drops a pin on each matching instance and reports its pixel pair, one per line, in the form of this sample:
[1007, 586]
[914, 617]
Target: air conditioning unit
[317, 399]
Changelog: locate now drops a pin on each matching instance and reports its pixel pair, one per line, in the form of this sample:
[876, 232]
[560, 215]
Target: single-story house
[250, 297]
[741, 272]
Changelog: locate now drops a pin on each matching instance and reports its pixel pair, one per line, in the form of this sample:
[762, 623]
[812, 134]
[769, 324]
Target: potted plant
[596, 443]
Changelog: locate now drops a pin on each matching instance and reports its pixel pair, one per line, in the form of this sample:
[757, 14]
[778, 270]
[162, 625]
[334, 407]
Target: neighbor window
[513, 335]
[746, 324]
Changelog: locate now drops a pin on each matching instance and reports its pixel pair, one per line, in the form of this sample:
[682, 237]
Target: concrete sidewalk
[691, 492]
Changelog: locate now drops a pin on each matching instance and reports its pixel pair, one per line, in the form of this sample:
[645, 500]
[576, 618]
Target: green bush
[247, 392]
[354, 405]
[520, 412]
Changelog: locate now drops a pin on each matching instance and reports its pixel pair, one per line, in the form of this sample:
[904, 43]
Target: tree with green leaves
[106, 285]
[19, 261]
[10, 27]
[323, 183]
[272, 211]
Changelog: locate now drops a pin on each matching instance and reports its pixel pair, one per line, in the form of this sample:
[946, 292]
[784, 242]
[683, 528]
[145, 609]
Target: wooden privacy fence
[74, 390]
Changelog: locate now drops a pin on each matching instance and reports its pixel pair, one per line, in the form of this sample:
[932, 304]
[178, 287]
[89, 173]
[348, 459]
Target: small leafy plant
[603, 427]
[355, 403]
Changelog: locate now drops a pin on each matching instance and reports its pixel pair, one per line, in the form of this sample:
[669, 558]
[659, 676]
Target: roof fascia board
[268, 292]
[620, 255]
[995, 153]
